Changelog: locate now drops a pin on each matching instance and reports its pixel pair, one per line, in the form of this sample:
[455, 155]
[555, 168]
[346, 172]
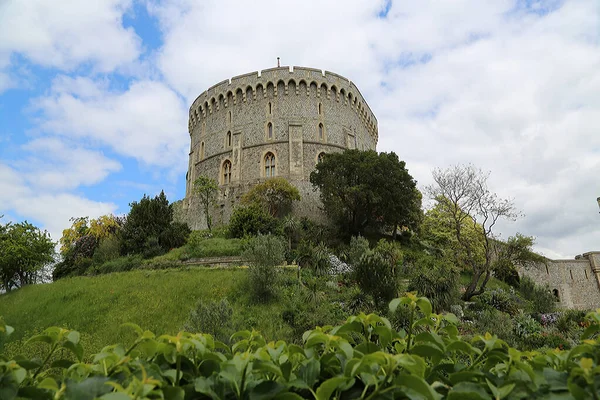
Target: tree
[206, 189]
[364, 190]
[276, 195]
[251, 221]
[290, 226]
[515, 252]
[24, 251]
[100, 228]
[146, 229]
[462, 194]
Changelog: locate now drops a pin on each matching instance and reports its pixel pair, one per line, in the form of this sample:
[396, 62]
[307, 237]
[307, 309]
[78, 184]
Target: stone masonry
[275, 122]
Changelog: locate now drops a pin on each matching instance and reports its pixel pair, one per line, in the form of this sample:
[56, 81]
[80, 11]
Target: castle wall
[574, 281]
[307, 111]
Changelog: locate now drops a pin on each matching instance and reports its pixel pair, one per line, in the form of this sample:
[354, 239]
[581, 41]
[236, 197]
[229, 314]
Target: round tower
[275, 122]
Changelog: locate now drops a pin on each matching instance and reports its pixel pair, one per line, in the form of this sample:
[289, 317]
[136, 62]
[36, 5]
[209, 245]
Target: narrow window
[555, 293]
[229, 139]
[585, 270]
[270, 109]
[320, 157]
[270, 131]
[571, 272]
[547, 272]
[320, 109]
[226, 172]
[229, 116]
[269, 165]
[320, 131]
[202, 151]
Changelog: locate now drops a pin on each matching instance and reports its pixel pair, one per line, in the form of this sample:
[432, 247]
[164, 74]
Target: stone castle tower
[275, 122]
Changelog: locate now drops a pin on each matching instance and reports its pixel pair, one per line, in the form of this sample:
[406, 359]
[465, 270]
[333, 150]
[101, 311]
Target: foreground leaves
[363, 358]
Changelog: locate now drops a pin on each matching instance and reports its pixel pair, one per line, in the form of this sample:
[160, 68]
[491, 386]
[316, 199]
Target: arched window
[270, 130]
[202, 151]
[269, 165]
[321, 133]
[226, 172]
[320, 157]
[229, 139]
[556, 295]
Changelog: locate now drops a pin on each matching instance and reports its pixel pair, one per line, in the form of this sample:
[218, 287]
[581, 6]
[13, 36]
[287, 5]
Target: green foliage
[358, 247]
[213, 317]
[525, 326]
[376, 277]
[501, 300]
[206, 189]
[149, 228]
[264, 253]
[100, 228]
[121, 264]
[24, 251]
[437, 280]
[363, 357]
[516, 252]
[540, 298]
[492, 320]
[108, 249]
[365, 191]
[275, 195]
[214, 247]
[251, 221]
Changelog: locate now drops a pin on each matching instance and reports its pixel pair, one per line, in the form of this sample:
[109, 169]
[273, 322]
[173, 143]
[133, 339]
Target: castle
[279, 122]
[275, 122]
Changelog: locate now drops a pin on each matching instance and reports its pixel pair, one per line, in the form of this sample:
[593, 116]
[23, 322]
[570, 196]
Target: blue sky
[94, 95]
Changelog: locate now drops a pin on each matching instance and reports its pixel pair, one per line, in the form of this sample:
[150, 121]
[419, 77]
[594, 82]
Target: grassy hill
[158, 300]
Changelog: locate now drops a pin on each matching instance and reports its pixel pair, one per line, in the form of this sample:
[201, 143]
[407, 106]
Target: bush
[251, 221]
[436, 279]
[358, 246]
[174, 236]
[376, 277]
[215, 247]
[496, 322]
[501, 300]
[264, 253]
[525, 326]
[108, 249]
[540, 298]
[213, 317]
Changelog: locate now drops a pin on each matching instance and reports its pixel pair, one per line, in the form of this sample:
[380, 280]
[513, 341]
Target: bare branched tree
[462, 193]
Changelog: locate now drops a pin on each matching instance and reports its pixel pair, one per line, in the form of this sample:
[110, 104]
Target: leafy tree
[364, 190]
[24, 251]
[264, 253]
[461, 192]
[250, 221]
[376, 277]
[515, 252]
[276, 195]
[149, 226]
[206, 189]
[290, 226]
[100, 228]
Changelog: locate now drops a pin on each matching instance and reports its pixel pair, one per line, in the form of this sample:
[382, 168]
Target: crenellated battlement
[283, 81]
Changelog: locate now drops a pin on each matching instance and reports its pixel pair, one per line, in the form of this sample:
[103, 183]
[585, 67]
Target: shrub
[250, 221]
[540, 298]
[500, 300]
[358, 246]
[108, 249]
[174, 236]
[376, 277]
[496, 322]
[264, 253]
[213, 317]
[436, 279]
[525, 326]
[390, 251]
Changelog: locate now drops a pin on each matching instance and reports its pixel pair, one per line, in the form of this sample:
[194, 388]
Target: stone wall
[576, 283]
[307, 111]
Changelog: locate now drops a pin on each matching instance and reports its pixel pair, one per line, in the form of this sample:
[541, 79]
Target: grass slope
[97, 306]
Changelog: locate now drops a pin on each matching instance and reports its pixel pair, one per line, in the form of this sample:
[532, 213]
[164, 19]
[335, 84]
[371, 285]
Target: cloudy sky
[94, 95]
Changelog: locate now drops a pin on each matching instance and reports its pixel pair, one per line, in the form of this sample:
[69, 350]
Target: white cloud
[52, 211]
[66, 33]
[509, 86]
[147, 122]
[54, 165]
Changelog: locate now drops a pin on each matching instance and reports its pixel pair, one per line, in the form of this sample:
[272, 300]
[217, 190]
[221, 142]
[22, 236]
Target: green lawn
[97, 306]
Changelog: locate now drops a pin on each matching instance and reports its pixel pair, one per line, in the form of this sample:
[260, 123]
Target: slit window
[229, 116]
[270, 108]
[270, 131]
[202, 151]
[229, 139]
[269, 165]
[571, 273]
[320, 109]
[321, 132]
[226, 172]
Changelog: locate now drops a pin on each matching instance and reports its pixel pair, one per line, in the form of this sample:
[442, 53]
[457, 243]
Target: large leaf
[327, 388]
[468, 391]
